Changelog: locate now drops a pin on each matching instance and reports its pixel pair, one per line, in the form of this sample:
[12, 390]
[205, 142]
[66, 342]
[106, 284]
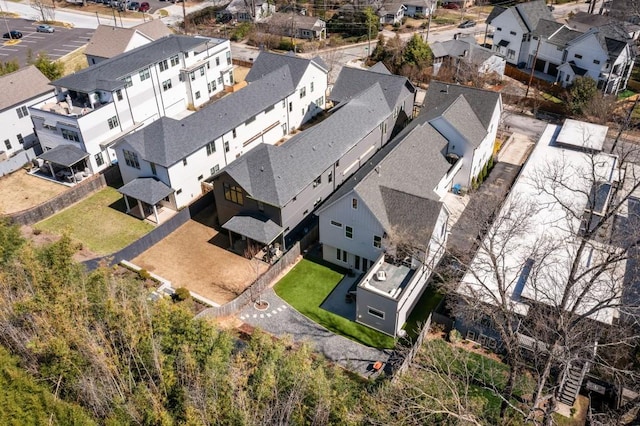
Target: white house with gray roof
[394, 201]
[95, 107]
[468, 118]
[269, 191]
[182, 153]
[514, 27]
[463, 54]
[20, 90]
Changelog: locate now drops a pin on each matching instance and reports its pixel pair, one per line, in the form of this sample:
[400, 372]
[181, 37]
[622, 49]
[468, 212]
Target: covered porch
[254, 235]
[148, 198]
[65, 164]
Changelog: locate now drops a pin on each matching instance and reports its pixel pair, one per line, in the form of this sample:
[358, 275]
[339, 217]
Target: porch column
[230, 240]
[51, 169]
[155, 213]
[141, 209]
[73, 175]
[126, 201]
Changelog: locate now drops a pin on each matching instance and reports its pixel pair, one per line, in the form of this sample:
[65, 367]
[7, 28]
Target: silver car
[45, 29]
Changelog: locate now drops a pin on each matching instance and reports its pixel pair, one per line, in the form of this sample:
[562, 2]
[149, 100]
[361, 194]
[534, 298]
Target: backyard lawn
[427, 303]
[307, 285]
[99, 223]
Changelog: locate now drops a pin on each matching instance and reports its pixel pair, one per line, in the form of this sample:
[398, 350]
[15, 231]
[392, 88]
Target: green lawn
[99, 222]
[427, 303]
[307, 285]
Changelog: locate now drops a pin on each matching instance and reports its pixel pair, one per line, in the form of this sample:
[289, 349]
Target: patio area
[65, 164]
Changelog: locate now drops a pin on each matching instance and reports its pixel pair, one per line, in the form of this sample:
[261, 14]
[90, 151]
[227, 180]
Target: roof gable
[267, 62]
[22, 85]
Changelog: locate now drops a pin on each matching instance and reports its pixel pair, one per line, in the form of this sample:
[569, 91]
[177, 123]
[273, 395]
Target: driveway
[280, 319]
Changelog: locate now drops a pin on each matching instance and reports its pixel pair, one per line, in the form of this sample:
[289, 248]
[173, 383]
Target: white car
[45, 29]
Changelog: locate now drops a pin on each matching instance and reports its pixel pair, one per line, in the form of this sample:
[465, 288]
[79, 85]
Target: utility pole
[431, 4]
[184, 17]
[533, 67]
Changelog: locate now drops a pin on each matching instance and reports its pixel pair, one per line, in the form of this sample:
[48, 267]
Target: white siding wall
[301, 109]
[12, 125]
[507, 28]
[94, 129]
[590, 50]
[186, 179]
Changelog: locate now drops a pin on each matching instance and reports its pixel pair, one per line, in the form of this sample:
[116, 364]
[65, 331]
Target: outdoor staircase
[572, 383]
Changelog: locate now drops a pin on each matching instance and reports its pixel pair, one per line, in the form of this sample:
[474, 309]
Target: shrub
[490, 163]
[144, 274]
[241, 31]
[455, 336]
[37, 231]
[286, 44]
[181, 294]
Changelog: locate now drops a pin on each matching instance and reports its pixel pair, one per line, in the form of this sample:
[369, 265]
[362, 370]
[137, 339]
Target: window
[220, 81]
[7, 143]
[577, 56]
[260, 206]
[317, 181]
[311, 86]
[179, 191]
[354, 203]
[186, 54]
[304, 213]
[320, 101]
[153, 168]
[338, 224]
[377, 241]
[99, 159]
[303, 92]
[184, 161]
[290, 106]
[212, 86]
[127, 81]
[217, 61]
[338, 163]
[166, 85]
[226, 147]
[198, 94]
[294, 199]
[211, 147]
[119, 94]
[284, 129]
[164, 65]
[228, 58]
[20, 138]
[348, 232]
[383, 127]
[250, 120]
[511, 54]
[330, 178]
[376, 313]
[113, 122]
[341, 255]
[22, 111]
[233, 193]
[234, 133]
[215, 169]
[70, 135]
[512, 32]
[498, 29]
[174, 60]
[144, 74]
[193, 75]
[131, 159]
[200, 177]
[597, 62]
[284, 103]
[201, 71]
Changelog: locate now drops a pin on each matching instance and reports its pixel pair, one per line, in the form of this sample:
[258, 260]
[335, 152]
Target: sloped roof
[167, 141]
[22, 85]
[353, 81]
[154, 28]
[107, 74]
[465, 47]
[462, 117]
[397, 184]
[379, 67]
[556, 33]
[276, 174]
[583, 21]
[146, 189]
[64, 155]
[441, 95]
[531, 12]
[291, 20]
[267, 62]
[108, 41]
[255, 226]
[497, 10]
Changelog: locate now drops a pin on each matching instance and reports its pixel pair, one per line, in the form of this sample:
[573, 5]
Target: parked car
[13, 34]
[45, 29]
[467, 24]
[453, 6]
[551, 8]
[134, 5]
[144, 7]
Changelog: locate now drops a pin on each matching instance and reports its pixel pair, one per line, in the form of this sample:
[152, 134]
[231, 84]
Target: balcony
[73, 104]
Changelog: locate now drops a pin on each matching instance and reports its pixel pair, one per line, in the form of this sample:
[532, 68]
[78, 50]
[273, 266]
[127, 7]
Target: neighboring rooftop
[167, 141]
[464, 47]
[22, 85]
[106, 75]
[146, 189]
[268, 62]
[108, 41]
[292, 20]
[582, 135]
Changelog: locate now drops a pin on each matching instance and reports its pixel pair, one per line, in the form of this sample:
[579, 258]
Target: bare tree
[46, 9]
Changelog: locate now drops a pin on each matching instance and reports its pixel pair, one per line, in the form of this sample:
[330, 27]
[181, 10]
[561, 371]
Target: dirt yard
[20, 191]
[194, 257]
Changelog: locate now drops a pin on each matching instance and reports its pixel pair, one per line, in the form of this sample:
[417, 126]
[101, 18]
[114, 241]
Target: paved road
[281, 319]
[57, 44]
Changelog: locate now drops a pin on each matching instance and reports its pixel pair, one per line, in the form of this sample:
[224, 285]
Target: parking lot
[57, 44]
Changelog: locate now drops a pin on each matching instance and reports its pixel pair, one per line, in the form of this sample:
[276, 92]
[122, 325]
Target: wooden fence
[401, 359]
[525, 76]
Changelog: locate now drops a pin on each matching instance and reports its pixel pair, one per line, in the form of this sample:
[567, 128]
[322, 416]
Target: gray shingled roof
[531, 12]
[397, 184]
[146, 189]
[353, 81]
[106, 75]
[108, 41]
[268, 62]
[64, 155]
[462, 48]
[256, 227]
[441, 95]
[462, 117]
[276, 174]
[167, 141]
[497, 10]
[22, 85]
